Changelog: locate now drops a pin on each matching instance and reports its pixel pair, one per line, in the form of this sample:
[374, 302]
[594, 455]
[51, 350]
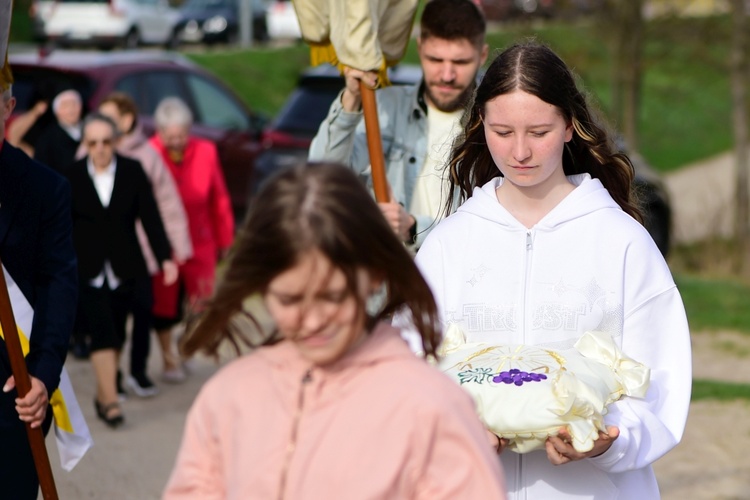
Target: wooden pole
[23, 386]
[374, 144]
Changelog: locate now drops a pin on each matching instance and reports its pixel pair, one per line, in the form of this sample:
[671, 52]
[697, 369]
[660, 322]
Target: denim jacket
[402, 115]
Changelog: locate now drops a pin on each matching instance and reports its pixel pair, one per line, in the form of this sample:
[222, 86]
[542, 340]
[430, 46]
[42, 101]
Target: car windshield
[306, 108]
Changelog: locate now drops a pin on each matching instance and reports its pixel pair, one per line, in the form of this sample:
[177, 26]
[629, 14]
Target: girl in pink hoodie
[332, 403]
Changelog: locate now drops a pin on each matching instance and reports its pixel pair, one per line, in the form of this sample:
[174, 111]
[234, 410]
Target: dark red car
[148, 77]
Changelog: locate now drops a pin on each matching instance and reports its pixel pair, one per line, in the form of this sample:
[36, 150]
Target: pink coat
[204, 195]
[380, 423]
[136, 145]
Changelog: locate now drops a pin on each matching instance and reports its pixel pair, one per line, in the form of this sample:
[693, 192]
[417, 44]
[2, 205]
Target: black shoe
[102, 411]
[122, 395]
[141, 385]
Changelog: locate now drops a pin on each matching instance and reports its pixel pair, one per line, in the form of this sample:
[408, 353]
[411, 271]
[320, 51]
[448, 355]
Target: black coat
[55, 148]
[108, 234]
[36, 248]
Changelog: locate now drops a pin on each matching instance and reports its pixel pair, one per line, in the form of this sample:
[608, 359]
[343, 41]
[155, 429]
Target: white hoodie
[586, 265]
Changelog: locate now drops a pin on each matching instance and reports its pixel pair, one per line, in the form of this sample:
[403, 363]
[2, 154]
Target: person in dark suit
[57, 144]
[36, 249]
[110, 192]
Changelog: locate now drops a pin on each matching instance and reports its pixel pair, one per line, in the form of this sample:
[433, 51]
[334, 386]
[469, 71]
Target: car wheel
[173, 43]
[657, 220]
[232, 38]
[132, 39]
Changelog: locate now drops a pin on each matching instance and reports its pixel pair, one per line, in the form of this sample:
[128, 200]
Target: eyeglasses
[104, 142]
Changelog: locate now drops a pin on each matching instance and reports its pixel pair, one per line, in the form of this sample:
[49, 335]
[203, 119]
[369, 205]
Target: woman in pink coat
[332, 404]
[194, 164]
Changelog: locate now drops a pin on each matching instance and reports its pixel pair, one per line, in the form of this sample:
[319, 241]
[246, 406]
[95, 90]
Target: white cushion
[526, 393]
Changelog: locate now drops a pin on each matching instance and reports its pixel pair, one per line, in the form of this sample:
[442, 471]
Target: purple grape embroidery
[517, 377]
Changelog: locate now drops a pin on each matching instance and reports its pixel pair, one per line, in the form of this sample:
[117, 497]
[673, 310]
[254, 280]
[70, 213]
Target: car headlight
[216, 24]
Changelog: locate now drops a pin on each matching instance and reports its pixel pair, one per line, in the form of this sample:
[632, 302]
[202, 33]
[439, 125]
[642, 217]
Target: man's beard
[459, 102]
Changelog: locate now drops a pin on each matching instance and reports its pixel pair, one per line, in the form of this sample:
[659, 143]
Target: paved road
[134, 461]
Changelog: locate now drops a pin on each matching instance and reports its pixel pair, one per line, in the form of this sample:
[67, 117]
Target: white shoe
[174, 376]
[141, 386]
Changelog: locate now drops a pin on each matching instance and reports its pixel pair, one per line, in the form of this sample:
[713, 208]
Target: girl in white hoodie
[547, 246]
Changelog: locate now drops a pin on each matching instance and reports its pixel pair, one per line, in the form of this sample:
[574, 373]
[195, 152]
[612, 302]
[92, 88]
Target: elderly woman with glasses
[110, 192]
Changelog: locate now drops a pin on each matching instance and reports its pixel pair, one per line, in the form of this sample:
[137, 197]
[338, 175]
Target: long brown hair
[534, 68]
[323, 207]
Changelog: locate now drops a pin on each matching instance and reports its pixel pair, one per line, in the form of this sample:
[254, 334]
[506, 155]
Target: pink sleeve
[459, 461]
[197, 472]
[221, 206]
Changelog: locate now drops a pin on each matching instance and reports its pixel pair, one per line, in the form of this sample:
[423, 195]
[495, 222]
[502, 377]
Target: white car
[104, 23]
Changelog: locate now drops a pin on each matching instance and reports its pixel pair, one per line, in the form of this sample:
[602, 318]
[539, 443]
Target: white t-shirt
[104, 183]
[431, 189]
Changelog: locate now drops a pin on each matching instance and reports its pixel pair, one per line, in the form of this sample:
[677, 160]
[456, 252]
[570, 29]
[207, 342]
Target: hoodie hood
[588, 196]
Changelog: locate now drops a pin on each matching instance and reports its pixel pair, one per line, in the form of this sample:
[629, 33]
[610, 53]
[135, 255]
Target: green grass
[263, 77]
[20, 27]
[715, 304]
[722, 391]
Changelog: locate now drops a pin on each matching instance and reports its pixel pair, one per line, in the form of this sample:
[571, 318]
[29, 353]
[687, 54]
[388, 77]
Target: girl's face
[313, 308]
[526, 138]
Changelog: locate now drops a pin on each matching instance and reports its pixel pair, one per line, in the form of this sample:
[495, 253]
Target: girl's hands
[496, 441]
[560, 448]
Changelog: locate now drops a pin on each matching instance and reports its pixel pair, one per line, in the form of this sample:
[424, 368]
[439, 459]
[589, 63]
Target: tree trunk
[625, 19]
[739, 82]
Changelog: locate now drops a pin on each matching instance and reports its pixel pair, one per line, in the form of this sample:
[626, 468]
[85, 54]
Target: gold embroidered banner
[368, 35]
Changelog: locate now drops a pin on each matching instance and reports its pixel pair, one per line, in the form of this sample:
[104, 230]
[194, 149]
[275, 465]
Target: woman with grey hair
[195, 166]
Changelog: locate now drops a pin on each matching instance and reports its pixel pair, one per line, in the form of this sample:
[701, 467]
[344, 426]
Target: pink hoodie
[380, 423]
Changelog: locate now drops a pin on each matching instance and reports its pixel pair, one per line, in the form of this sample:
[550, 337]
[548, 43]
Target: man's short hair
[453, 20]
[8, 93]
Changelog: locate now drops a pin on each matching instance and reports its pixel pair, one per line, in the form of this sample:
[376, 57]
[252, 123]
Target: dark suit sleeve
[148, 212]
[55, 287]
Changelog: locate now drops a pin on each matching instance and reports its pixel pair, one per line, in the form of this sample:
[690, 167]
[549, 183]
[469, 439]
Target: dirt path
[134, 462]
[712, 461]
